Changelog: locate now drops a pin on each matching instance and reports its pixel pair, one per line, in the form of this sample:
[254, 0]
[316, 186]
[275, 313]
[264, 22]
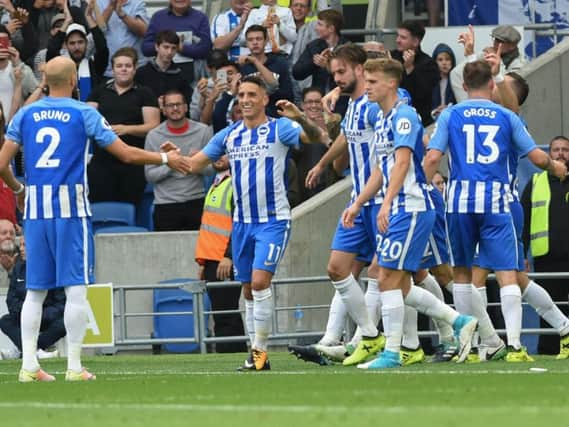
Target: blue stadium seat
[145, 208]
[110, 214]
[121, 229]
[174, 326]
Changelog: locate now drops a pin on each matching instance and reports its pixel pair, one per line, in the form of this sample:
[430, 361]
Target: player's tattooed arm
[312, 132]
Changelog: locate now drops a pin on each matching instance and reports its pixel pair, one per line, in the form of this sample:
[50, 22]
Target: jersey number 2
[45, 160]
[490, 131]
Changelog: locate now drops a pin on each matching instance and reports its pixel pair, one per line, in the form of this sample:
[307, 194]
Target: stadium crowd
[208, 86]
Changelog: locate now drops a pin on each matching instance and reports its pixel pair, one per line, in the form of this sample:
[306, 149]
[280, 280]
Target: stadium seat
[121, 229]
[110, 214]
[174, 326]
[145, 208]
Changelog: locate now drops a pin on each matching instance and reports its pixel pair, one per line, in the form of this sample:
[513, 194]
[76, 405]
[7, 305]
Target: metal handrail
[198, 288]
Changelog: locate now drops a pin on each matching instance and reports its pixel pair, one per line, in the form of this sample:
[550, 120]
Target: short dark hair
[4, 30]
[519, 86]
[167, 36]
[128, 51]
[257, 29]
[227, 63]
[477, 74]
[175, 92]
[350, 52]
[310, 89]
[332, 17]
[252, 78]
[416, 28]
[216, 57]
[558, 137]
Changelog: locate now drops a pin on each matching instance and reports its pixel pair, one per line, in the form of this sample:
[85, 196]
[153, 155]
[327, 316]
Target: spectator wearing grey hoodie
[178, 198]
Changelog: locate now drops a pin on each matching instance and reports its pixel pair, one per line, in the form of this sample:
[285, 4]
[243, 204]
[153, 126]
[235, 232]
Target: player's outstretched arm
[136, 156]
[542, 160]
[198, 162]
[336, 150]
[311, 132]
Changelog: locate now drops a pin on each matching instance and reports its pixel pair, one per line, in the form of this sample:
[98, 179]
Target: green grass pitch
[205, 390]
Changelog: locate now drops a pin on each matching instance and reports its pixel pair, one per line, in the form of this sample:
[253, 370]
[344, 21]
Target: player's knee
[337, 272]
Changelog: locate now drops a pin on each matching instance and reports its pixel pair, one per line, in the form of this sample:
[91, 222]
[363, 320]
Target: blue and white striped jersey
[258, 158]
[402, 127]
[483, 138]
[222, 24]
[54, 134]
[357, 126]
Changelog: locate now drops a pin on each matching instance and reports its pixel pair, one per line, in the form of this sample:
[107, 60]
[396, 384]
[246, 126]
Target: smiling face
[253, 99]
[312, 104]
[175, 107]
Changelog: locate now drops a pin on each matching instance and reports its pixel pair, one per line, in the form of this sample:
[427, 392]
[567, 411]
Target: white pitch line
[324, 371]
[302, 409]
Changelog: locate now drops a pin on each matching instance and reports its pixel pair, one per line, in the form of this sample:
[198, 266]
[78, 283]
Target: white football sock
[410, 335]
[353, 298]
[75, 318]
[446, 334]
[250, 320]
[426, 303]
[30, 321]
[483, 296]
[373, 301]
[541, 301]
[262, 311]
[393, 311]
[336, 321]
[486, 331]
[373, 304]
[462, 296]
[511, 297]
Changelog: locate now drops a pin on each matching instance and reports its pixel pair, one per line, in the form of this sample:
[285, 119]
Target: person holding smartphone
[16, 78]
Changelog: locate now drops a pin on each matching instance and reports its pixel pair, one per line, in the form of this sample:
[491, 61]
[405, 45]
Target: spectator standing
[227, 29]
[313, 60]
[305, 33]
[272, 69]
[213, 61]
[192, 27]
[51, 329]
[132, 110]
[90, 70]
[126, 23]
[213, 254]
[161, 74]
[281, 30]
[16, 79]
[221, 98]
[421, 73]
[178, 198]
[545, 201]
[443, 96]
[8, 251]
[505, 36]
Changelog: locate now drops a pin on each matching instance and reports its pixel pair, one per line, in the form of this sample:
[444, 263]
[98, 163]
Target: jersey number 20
[45, 160]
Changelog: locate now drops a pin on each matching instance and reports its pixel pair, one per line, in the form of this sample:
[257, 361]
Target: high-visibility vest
[215, 229]
[539, 226]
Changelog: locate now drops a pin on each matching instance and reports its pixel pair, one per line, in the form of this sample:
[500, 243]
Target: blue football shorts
[361, 239]
[258, 246]
[437, 248]
[493, 234]
[403, 245]
[59, 252]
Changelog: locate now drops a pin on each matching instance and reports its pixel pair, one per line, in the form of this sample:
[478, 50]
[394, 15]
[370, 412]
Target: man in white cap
[505, 38]
[74, 38]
